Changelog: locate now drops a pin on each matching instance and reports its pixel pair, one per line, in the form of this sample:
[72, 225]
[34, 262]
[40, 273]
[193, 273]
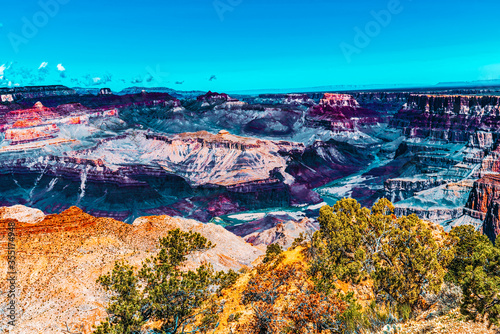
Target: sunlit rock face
[283, 234]
[340, 112]
[449, 138]
[338, 101]
[402, 188]
[59, 258]
[482, 139]
[22, 214]
[40, 126]
[219, 159]
[210, 155]
[485, 191]
[483, 204]
[437, 204]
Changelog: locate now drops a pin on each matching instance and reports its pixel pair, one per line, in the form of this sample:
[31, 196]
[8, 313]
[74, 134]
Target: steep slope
[59, 259]
[282, 234]
[484, 204]
[451, 118]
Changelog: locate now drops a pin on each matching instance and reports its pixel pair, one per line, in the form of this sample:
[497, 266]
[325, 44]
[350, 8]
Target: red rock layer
[484, 203]
[69, 220]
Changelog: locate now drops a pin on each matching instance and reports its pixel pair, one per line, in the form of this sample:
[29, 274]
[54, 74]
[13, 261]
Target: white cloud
[43, 65]
[2, 68]
[96, 80]
[60, 68]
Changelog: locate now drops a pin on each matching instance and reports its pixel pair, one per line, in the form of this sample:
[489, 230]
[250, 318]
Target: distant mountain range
[179, 94]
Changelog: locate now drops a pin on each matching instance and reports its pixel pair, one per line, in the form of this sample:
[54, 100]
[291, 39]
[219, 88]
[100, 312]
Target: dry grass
[451, 323]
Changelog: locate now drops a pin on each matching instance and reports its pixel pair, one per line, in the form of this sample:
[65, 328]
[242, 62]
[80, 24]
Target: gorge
[238, 159]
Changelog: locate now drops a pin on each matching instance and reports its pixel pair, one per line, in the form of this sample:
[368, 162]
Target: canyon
[245, 160]
[91, 179]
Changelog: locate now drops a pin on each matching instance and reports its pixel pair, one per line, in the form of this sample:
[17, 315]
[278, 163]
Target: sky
[236, 45]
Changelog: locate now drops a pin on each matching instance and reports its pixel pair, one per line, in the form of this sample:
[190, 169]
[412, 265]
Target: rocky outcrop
[323, 162]
[456, 104]
[22, 214]
[41, 123]
[438, 204]
[491, 160]
[340, 112]
[436, 215]
[384, 102]
[482, 140]
[485, 191]
[448, 118]
[60, 258]
[199, 175]
[401, 188]
[283, 234]
[491, 225]
[213, 97]
[202, 158]
[461, 221]
[483, 204]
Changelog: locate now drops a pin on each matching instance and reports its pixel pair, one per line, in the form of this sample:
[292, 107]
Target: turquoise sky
[229, 45]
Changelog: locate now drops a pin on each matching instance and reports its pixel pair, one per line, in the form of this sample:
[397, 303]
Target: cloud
[179, 82]
[60, 68]
[212, 78]
[43, 65]
[2, 69]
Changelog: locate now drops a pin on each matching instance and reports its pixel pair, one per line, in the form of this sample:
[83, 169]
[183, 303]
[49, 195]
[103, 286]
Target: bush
[272, 252]
[284, 301]
[401, 255]
[476, 269]
[161, 291]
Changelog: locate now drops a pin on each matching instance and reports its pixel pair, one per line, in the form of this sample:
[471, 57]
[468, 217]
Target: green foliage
[476, 268]
[225, 280]
[352, 318]
[468, 252]
[348, 235]
[401, 255]
[410, 263]
[125, 304]
[300, 241]
[272, 252]
[162, 291]
[234, 317]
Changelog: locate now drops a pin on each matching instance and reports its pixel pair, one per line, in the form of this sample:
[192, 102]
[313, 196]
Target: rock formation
[60, 258]
[483, 204]
[283, 234]
[449, 118]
